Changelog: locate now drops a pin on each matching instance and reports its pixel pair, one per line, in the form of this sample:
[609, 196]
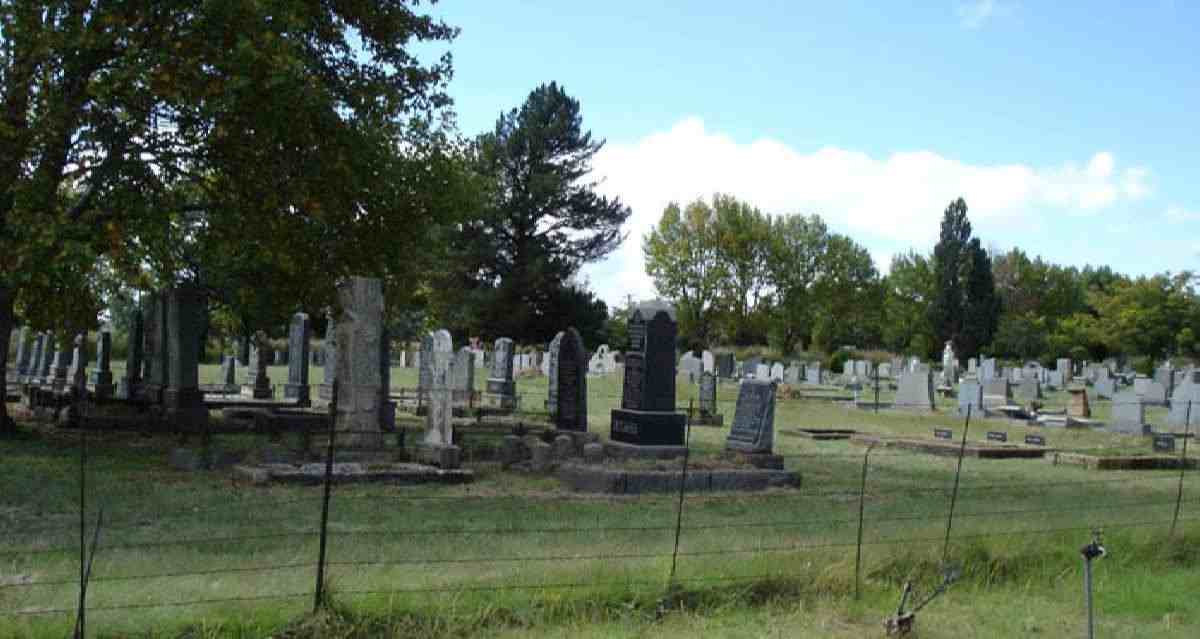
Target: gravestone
[1165, 375]
[708, 415]
[361, 344]
[792, 374]
[812, 373]
[33, 373]
[916, 391]
[726, 366]
[23, 352]
[1151, 391]
[438, 446]
[501, 390]
[425, 368]
[750, 367]
[1077, 405]
[258, 383]
[970, 395]
[987, 371]
[130, 384]
[1063, 372]
[570, 381]
[753, 429]
[777, 372]
[762, 373]
[708, 362]
[229, 370]
[1185, 402]
[690, 365]
[60, 375]
[885, 370]
[77, 373]
[325, 390]
[183, 402]
[1128, 414]
[1105, 387]
[46, 368]
[299, 332]
[243, 350]
[1030, 388]
[973, 366]
[280, 358]
[154, 376]
[102, 379]
[996, 392]
[462, 381]
[949, 363]
[647, 414]
[552, 374]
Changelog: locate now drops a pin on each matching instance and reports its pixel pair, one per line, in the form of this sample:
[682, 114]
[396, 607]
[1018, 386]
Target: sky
[1069, 128]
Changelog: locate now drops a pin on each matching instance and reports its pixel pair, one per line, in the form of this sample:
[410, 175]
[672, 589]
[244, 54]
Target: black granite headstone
[943, 433]
[571, 382]
[1035, 440]
[647, 415]
[725, 365]
[754, 418]
[997, 436]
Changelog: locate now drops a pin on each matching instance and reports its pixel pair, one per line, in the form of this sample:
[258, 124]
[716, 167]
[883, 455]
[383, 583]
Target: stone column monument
[183, 403]
[570, 379]
[102, 379]
[361, 386]
[299, 332]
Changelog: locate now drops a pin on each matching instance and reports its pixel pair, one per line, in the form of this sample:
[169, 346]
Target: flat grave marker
[943, 433]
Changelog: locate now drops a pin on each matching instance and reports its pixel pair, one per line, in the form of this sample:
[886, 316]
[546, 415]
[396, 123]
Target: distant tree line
[741, 277]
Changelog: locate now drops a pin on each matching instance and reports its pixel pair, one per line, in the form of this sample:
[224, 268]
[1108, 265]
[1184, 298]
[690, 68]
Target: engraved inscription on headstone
[754, 418]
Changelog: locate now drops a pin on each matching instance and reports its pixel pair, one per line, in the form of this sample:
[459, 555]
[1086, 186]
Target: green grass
[778, 563]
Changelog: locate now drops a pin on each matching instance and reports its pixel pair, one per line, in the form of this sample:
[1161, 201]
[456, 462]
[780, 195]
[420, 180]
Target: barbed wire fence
[611, 542]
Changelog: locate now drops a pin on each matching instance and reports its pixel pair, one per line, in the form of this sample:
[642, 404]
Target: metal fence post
[862, 496]
[319, 592]
[1187, 431]
[81, 616]
[962, 448]
[679, 509]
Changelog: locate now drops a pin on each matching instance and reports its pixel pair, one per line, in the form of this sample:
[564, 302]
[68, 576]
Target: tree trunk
[6, 325]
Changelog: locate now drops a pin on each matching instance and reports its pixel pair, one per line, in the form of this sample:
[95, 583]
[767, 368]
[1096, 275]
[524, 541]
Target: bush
[837, 360]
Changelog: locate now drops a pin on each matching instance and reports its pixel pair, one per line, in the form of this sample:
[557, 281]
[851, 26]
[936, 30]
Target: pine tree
[946, 309]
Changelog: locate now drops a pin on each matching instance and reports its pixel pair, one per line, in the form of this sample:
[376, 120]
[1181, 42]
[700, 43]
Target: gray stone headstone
[970, 394]
[185, 322]
[1128, 414]
[762, 373]
[229, 370]
[501, 389]
[425, 365]
[60, 375]
[329, 353]
[463, 378]
[1030, 388]
[155, 356]
[299, 332]
[1185, 403]
[1150, 390]
[23, 353]
[46, 369]
[258, 382]
[1105, 386]
[102, 379]
[708, 361]
[777, 372]
[77, 373]
[362, 392]
[916, 391]
[708, 394]
[33, 374]
[987, 371]
[753, 429]
[812, 373]
[439, 429]
[570, 380]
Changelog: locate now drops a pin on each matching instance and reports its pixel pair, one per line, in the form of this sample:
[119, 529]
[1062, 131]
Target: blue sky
[1071, 129]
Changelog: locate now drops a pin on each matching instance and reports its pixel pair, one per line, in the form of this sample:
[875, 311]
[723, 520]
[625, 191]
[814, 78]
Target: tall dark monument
[647, 414]
[570, 383]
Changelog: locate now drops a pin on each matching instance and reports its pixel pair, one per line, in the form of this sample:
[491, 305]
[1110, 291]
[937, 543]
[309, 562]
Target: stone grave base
[1065, 421]
[710, 419]
[352, 473]
[621, 450]
[867, 404]
[768, 461]
[447, 457]
[498, 402]
[1126, 462]
[950, 448]
[615, 481]
[820, 434]
[648, 428]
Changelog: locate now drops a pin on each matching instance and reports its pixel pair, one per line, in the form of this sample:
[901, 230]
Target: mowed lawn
[516, 555]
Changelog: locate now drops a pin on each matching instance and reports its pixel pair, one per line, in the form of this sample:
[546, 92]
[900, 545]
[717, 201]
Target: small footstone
[564, 447]
[593, 453]
[540, 453]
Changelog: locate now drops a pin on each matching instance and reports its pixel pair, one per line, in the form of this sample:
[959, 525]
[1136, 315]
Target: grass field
[516, 555]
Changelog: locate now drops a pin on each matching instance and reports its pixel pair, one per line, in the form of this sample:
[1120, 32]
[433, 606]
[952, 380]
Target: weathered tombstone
[34, 373]
[299, 332]
[750, 367]
[726, 366]
[1165, 376]
[1128, 414]
[690, 365]
[325, 390]
[60, 375]
[462, 383]
[102, 379]
[23, 353]
[229, 371]
[777, 372]
[996, 392]
[501, 390]
[987, 370]
[77, 373]
[280, 358]
[46, 368]
[970, 395]
[792, 374]
[425, 367]
[973, 366]
[1151, 391]
[916, 391]
[438, 447]
[1078, 405]
[570, 379]
[647, 415]
[1063, 372]
[708, 362]
[762, 373]
[130, 384]
[708, 415]
[243, 350]
[1105, 387]
[753, 429]
[812, 373]
[552, 374]
[1185, 402]
[360, 347]
[182, 399]
[258, 383]
[1030, 387]
[154, 377]
[884, 370]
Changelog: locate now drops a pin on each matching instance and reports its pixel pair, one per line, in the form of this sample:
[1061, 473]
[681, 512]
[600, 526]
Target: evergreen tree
[981, 304]
[964, 306]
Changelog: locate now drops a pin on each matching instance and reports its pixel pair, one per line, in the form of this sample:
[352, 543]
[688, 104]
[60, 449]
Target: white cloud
[884, 203]
[975, 13]
[1180, 214]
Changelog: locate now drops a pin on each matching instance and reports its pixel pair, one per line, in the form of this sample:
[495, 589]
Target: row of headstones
[41, 360]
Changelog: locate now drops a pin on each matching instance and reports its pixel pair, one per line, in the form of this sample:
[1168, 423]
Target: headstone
[777, 372]
[154, 377]
[996, 392]
[812, 373]
[501, 389]
[570, 380]
[725, 365]
[753, 428]
[60, 376]
[1164, 443]
[708, 395]
[77, 373]
[23, 352]
[750, 367]
[325, 390]
[1035, 440]
[462, 381]
[102, 379]
[647, 414]
[1185, 402]
[361, 387]
[1030, 388]
[943, 433]
[439, 430]
[997, 436]
[1150, 390]
[258, 383]
[33, 375]
[916, 391]
[949, 363]
[45, 369]
[708, 362]
[762, 373]
[229, 370]
[792, 374]
[1105, 387]
[243, 350]
[552, 374]
[690, 365]
[970, 396]
[425, 367]
[1165, 376]
[885, 370]
[987, 370]
[299, 332]
[1078, 405]
[183, 402]
[280, 358]
[973, 366]
[1128, 414]
[131, 381]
